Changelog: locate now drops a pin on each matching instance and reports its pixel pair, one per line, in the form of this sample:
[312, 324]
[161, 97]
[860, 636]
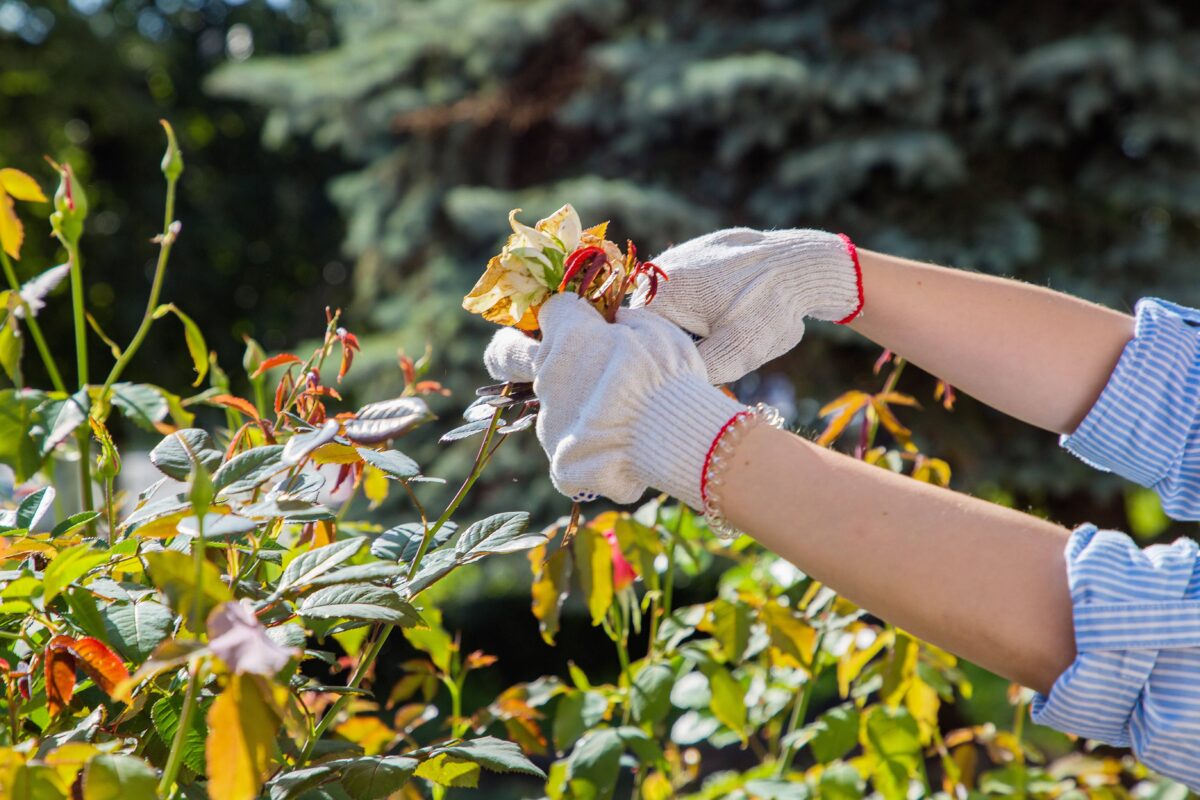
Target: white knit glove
[747, 292]
[624, 405]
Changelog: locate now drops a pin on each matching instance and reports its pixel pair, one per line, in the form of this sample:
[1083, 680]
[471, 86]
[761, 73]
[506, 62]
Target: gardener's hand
[747, 292]
[624, 405]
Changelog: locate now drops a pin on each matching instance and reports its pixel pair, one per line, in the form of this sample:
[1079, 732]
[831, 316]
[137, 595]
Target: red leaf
[101, 664]
[236, 403]
[276, 361]
[60, 674]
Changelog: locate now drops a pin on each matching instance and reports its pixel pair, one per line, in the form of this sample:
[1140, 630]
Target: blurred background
[364, 154]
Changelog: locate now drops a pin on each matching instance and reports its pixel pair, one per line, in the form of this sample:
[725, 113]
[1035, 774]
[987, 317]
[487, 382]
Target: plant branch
[35, 329]
[175, 758]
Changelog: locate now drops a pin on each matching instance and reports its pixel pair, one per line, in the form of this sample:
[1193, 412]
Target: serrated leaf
[249, 469]
[119, 777]
[141, 403]
[386, 420]
[499, 533]
[464, 431]
[197, 349]
[375, 777]
[34, 507]
[650, 693]
[448, 770]
[175, 574]
[136, 629]
[17, 448]
[360, 602]
[306, 567]
[73, 522]
[101, 664]
[400, 543]
[165, 713]
[359, 573]
[392, 463]
[291, 784]
[301, 445]
[61, 418]
[173, 455]
[494, 754]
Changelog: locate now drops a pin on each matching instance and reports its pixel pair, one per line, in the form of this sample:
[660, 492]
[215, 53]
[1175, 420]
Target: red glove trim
[858, 279]
[712, 449]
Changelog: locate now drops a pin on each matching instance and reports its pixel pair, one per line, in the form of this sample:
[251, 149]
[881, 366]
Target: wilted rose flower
[237, 637]
[530, 267]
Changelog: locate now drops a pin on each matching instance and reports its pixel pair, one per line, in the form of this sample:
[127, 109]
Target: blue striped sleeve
[1146, 424]
[1137, 637]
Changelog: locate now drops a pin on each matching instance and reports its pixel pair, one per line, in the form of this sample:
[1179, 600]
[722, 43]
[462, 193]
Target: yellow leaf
[853, 661]
[923, 703]
[375, 485]
[324, 531]
[852, 398]
[448, 770]
[334, 453]
[551, 582]
[593, 557]
[889, 421]
[241, 740]
[932, 470]
[792, 640]
[12, 232]
[369, 733]
[21, 186]
[657, 787]
[844, 410]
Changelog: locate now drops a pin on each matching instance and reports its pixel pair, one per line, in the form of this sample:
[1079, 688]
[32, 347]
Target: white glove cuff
[821, 272]
[675, 432]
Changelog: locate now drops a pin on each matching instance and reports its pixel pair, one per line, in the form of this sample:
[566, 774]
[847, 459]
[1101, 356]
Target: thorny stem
[185, 721]
[35, 329]
[164, 253]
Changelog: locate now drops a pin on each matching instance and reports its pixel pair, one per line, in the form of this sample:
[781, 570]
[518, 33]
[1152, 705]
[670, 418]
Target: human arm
[1035, 354]
[979, 580]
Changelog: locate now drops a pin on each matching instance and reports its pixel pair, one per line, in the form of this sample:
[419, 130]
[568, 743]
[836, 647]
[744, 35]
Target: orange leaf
[889, 421]
[276, 361]
[236, 403]
[101, 664]
[851, 399]
[60, 673]
[847, 409]
[898, 399]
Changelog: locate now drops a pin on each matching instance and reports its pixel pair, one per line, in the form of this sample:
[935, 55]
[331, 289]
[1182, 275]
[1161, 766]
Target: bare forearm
[979, 580]
[1035, 354]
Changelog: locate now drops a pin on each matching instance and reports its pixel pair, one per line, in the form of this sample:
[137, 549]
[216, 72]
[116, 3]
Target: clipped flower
[623, 574]
[237, 637]
[531, 266]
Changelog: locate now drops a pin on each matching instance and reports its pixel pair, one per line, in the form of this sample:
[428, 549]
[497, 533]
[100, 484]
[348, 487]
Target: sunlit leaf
[551, 583]
[240, 747]
[499, 533]
[392, 463]
[369, 733]
[68, 566]
[390, 419]
[728, 702]
[448, 770]
[650, 693]
[141, 403]
[136, 628]
[59, 666]
[103, 666]
[360, 602]
[890, 736]
[165, 714]
[21, 186]
[377, 777]
[306, 567]
[238, 404]
[197, 349]
[593, 559]
[175, 574]
[119, 777]
[249, 469]
[835, 733]
[301, 445]
[401, 542]
[844, 409]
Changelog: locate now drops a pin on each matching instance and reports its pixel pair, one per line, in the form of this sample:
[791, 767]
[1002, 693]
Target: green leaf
[34, 507]
[730, 626]
[728, 702]
[595, 764]
[836, 733]
[69, 565]
[374, 777]
[10, 349]
[359, 573]
[17, 449]
[119, 777]
[73, 522]
[135, 629]
[360, 602]
[840, 782]
[306, 567]
[248, 469]
[650, 694]
[891, 737]
[499, 533]
[1146, 516]
[174, 573]
[392, 463]
[494, 754]
[197, 349]
[61, 418]
[165, 714]
[576, 713]
[447, 770]
[141, 403]
[291, 784]
[174, 454]
[400, 543]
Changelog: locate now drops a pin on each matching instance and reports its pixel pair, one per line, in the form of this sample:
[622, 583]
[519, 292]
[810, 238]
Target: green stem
[175, 758]
[35, 329]
[160, 269]
[198, 547]
[668, 583]
[481, 460]
[82, 436]
[800, 709]
[360, 673]
[111, 510]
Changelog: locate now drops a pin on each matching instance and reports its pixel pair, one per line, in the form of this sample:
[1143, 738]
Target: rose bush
[185, 642]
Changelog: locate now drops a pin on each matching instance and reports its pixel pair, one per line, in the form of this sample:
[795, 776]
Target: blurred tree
[86, 81]
[1039, 140]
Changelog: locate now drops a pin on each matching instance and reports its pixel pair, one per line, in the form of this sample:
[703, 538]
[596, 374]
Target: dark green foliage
[1025, 139]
